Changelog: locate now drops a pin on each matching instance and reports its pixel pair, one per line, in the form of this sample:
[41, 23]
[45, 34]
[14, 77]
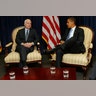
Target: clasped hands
[28, 44]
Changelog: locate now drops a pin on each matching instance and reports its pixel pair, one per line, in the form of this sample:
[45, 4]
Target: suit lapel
[75, 31]
[67, 32]
[23, 33]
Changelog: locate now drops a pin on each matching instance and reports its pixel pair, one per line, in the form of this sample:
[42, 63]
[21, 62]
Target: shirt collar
[73, 28]
[26, 29]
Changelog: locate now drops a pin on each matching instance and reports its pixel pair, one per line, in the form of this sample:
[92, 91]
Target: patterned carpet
[46, 63]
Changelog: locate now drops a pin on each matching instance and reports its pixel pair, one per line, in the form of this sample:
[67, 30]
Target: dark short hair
[72, 19]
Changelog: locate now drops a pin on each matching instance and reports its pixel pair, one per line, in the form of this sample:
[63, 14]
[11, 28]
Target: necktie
[27, 33]
[70, 34]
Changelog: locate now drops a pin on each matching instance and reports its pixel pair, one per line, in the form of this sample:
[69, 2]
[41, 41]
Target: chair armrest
[89, 51]
[6, 48]
[8, 45]
[91, 46]
[38, 43]
[37, 47]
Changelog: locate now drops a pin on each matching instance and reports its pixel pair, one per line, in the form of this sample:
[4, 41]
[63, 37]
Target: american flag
[51, 31]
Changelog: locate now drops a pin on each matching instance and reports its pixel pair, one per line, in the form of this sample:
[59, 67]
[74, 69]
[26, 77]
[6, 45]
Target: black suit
[72, 45]
[20, 38]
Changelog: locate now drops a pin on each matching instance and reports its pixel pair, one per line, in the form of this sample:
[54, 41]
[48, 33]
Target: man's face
[28, 24]
[69, 23]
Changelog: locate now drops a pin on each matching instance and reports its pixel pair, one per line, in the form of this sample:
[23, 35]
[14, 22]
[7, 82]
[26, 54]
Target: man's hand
[62, 42]
[28, 45]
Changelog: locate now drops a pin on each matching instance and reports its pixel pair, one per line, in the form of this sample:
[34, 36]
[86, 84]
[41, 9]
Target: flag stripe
[45, 37]
[51, 27]
[48, 28]
[51, 31]
[57, 28]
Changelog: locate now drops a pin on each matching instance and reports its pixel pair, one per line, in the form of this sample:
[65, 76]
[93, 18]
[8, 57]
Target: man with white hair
[26, 39]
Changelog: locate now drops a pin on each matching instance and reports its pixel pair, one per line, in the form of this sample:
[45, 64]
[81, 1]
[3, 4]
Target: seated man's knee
[59, 51]
[22, 48]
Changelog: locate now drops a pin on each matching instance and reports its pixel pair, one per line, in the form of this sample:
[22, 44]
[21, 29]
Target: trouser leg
[93, 73]
[23, 55]
[59, 54]
[52, 50]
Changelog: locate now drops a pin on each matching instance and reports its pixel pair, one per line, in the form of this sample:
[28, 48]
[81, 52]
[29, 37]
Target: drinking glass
[52, 70]
[66, 74]
[12, 75]
[25, 70]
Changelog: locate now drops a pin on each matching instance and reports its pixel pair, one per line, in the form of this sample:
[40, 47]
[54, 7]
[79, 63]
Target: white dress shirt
[26, 31]
[71, 33]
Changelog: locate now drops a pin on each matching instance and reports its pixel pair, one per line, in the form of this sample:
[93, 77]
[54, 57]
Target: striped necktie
[27, 33]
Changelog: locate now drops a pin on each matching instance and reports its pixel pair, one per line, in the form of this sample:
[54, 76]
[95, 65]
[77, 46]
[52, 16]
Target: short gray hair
[26, 20]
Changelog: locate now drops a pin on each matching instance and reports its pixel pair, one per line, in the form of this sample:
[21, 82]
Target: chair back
[14, 33]
[88, 36]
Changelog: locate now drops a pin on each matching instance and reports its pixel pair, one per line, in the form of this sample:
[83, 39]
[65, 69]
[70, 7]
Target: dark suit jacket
[75, 43]
[20, 37]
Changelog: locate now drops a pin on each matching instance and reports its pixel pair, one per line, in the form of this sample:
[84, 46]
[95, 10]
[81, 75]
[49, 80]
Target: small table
[41, 74]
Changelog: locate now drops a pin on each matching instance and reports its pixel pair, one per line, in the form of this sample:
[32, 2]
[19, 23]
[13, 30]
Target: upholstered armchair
[13, 56]
[82, 60]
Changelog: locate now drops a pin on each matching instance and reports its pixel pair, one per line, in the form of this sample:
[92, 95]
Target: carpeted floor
[46, 63]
